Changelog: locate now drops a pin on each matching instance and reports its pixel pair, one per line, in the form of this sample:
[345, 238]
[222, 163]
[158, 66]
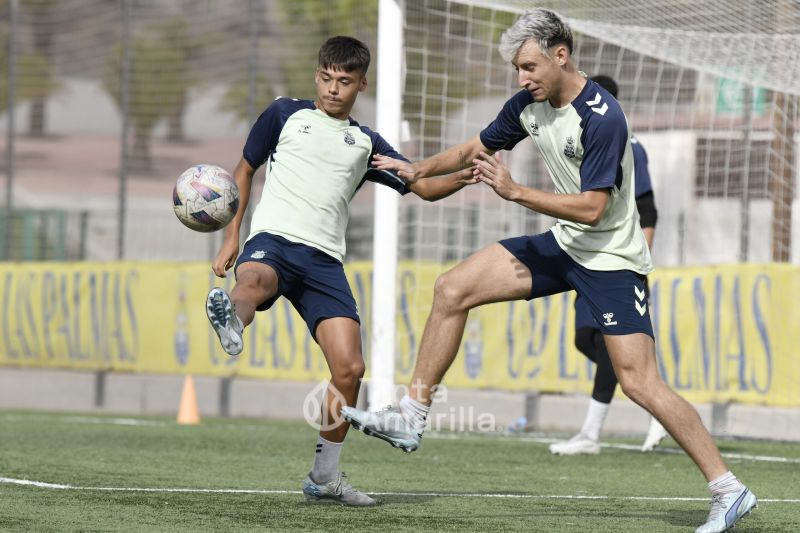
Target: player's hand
[467, 176]
[226, 257]
[405, 170]
[491, 170]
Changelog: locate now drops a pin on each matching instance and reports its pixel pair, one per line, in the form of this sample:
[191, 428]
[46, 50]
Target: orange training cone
[187, 411]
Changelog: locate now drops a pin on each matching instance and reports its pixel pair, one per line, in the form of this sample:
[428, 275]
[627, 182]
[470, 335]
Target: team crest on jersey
[569, 148]
[534, 129]
[348, 138]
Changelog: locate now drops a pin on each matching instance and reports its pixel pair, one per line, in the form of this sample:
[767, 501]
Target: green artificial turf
[453, 483]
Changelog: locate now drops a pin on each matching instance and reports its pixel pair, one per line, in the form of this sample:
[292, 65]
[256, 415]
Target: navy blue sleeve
[384, 177]
[643, 182]
[506, 130]
[264, 134]
[604, 140]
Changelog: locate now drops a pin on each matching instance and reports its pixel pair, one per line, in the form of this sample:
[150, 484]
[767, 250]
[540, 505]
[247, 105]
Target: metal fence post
[12, 82]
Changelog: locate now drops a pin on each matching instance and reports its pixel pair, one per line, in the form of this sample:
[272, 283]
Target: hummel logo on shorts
[609, 317]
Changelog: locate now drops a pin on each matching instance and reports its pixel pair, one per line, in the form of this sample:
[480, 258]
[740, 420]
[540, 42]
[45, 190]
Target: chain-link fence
[112, 100]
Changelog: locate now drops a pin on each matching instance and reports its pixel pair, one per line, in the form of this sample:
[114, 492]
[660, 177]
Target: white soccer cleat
[727, 509]
[388, 425]
[336, 491]
[655, 435]
[222, 316]
[577, 445]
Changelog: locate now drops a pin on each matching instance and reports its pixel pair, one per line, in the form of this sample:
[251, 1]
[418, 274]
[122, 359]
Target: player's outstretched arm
[226, 257]
[451, 160]
[439, 187]
[585, 208]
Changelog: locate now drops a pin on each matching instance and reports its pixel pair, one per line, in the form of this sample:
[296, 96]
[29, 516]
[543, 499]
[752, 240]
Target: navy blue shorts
[313, 281]
[583, 313]
[617, 299]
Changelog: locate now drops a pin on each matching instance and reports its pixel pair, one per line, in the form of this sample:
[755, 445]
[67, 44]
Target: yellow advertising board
[724, 333]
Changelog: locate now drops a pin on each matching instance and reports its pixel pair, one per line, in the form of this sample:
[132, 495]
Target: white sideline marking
[89, 420]
[115, 421]
[60, 486]
[633, 447]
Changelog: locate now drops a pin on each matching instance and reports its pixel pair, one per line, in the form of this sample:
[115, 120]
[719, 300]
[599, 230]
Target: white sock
[724, 484]
[595, 416]
[414, 412]
[326, 461]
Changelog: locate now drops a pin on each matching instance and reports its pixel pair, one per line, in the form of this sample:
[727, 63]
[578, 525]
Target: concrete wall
[458, 409]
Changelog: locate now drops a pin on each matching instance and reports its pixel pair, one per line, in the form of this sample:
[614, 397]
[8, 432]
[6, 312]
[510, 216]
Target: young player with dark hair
[317, 158]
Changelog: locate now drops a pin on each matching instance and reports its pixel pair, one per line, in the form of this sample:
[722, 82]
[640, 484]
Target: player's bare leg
[255, 283]
[229, 315]
[492, 274]
[634, 360]
[340, 340]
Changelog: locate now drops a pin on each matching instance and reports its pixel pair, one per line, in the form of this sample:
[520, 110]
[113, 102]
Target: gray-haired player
[596, 248]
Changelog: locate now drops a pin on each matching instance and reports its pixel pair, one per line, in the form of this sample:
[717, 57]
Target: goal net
[711, 91]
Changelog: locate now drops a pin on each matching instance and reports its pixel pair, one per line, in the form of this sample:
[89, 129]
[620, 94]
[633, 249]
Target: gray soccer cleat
[223, 319]
[727, 509]
[577, 445]
[388, 425]
[336, 491]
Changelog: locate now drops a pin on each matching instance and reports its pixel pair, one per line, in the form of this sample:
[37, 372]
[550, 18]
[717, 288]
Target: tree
[298, 21]
[33, 77]
[236, 97]
[175, 33]
[156, 84]
[42, 39]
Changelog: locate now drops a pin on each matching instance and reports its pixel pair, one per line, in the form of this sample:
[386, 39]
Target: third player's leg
[340, 340]
[605, 380]
[634, 361]
[255, 283]
[492, 274]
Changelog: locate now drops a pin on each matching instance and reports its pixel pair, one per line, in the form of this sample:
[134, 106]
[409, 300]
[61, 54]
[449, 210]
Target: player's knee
[633, 387]
[255, 283]
[348, 374]
[247, 287]
[447, 292]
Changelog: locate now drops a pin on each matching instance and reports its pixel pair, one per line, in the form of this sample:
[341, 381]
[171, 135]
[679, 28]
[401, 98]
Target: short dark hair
[344, 53]
[607, 83]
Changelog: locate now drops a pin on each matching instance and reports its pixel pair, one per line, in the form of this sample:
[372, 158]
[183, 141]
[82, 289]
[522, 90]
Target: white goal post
[384, 262]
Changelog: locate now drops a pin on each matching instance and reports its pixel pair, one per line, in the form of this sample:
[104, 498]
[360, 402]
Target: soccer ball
[205, 198]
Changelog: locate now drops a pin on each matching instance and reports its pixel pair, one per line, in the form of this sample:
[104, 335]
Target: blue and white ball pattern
[205, 198]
